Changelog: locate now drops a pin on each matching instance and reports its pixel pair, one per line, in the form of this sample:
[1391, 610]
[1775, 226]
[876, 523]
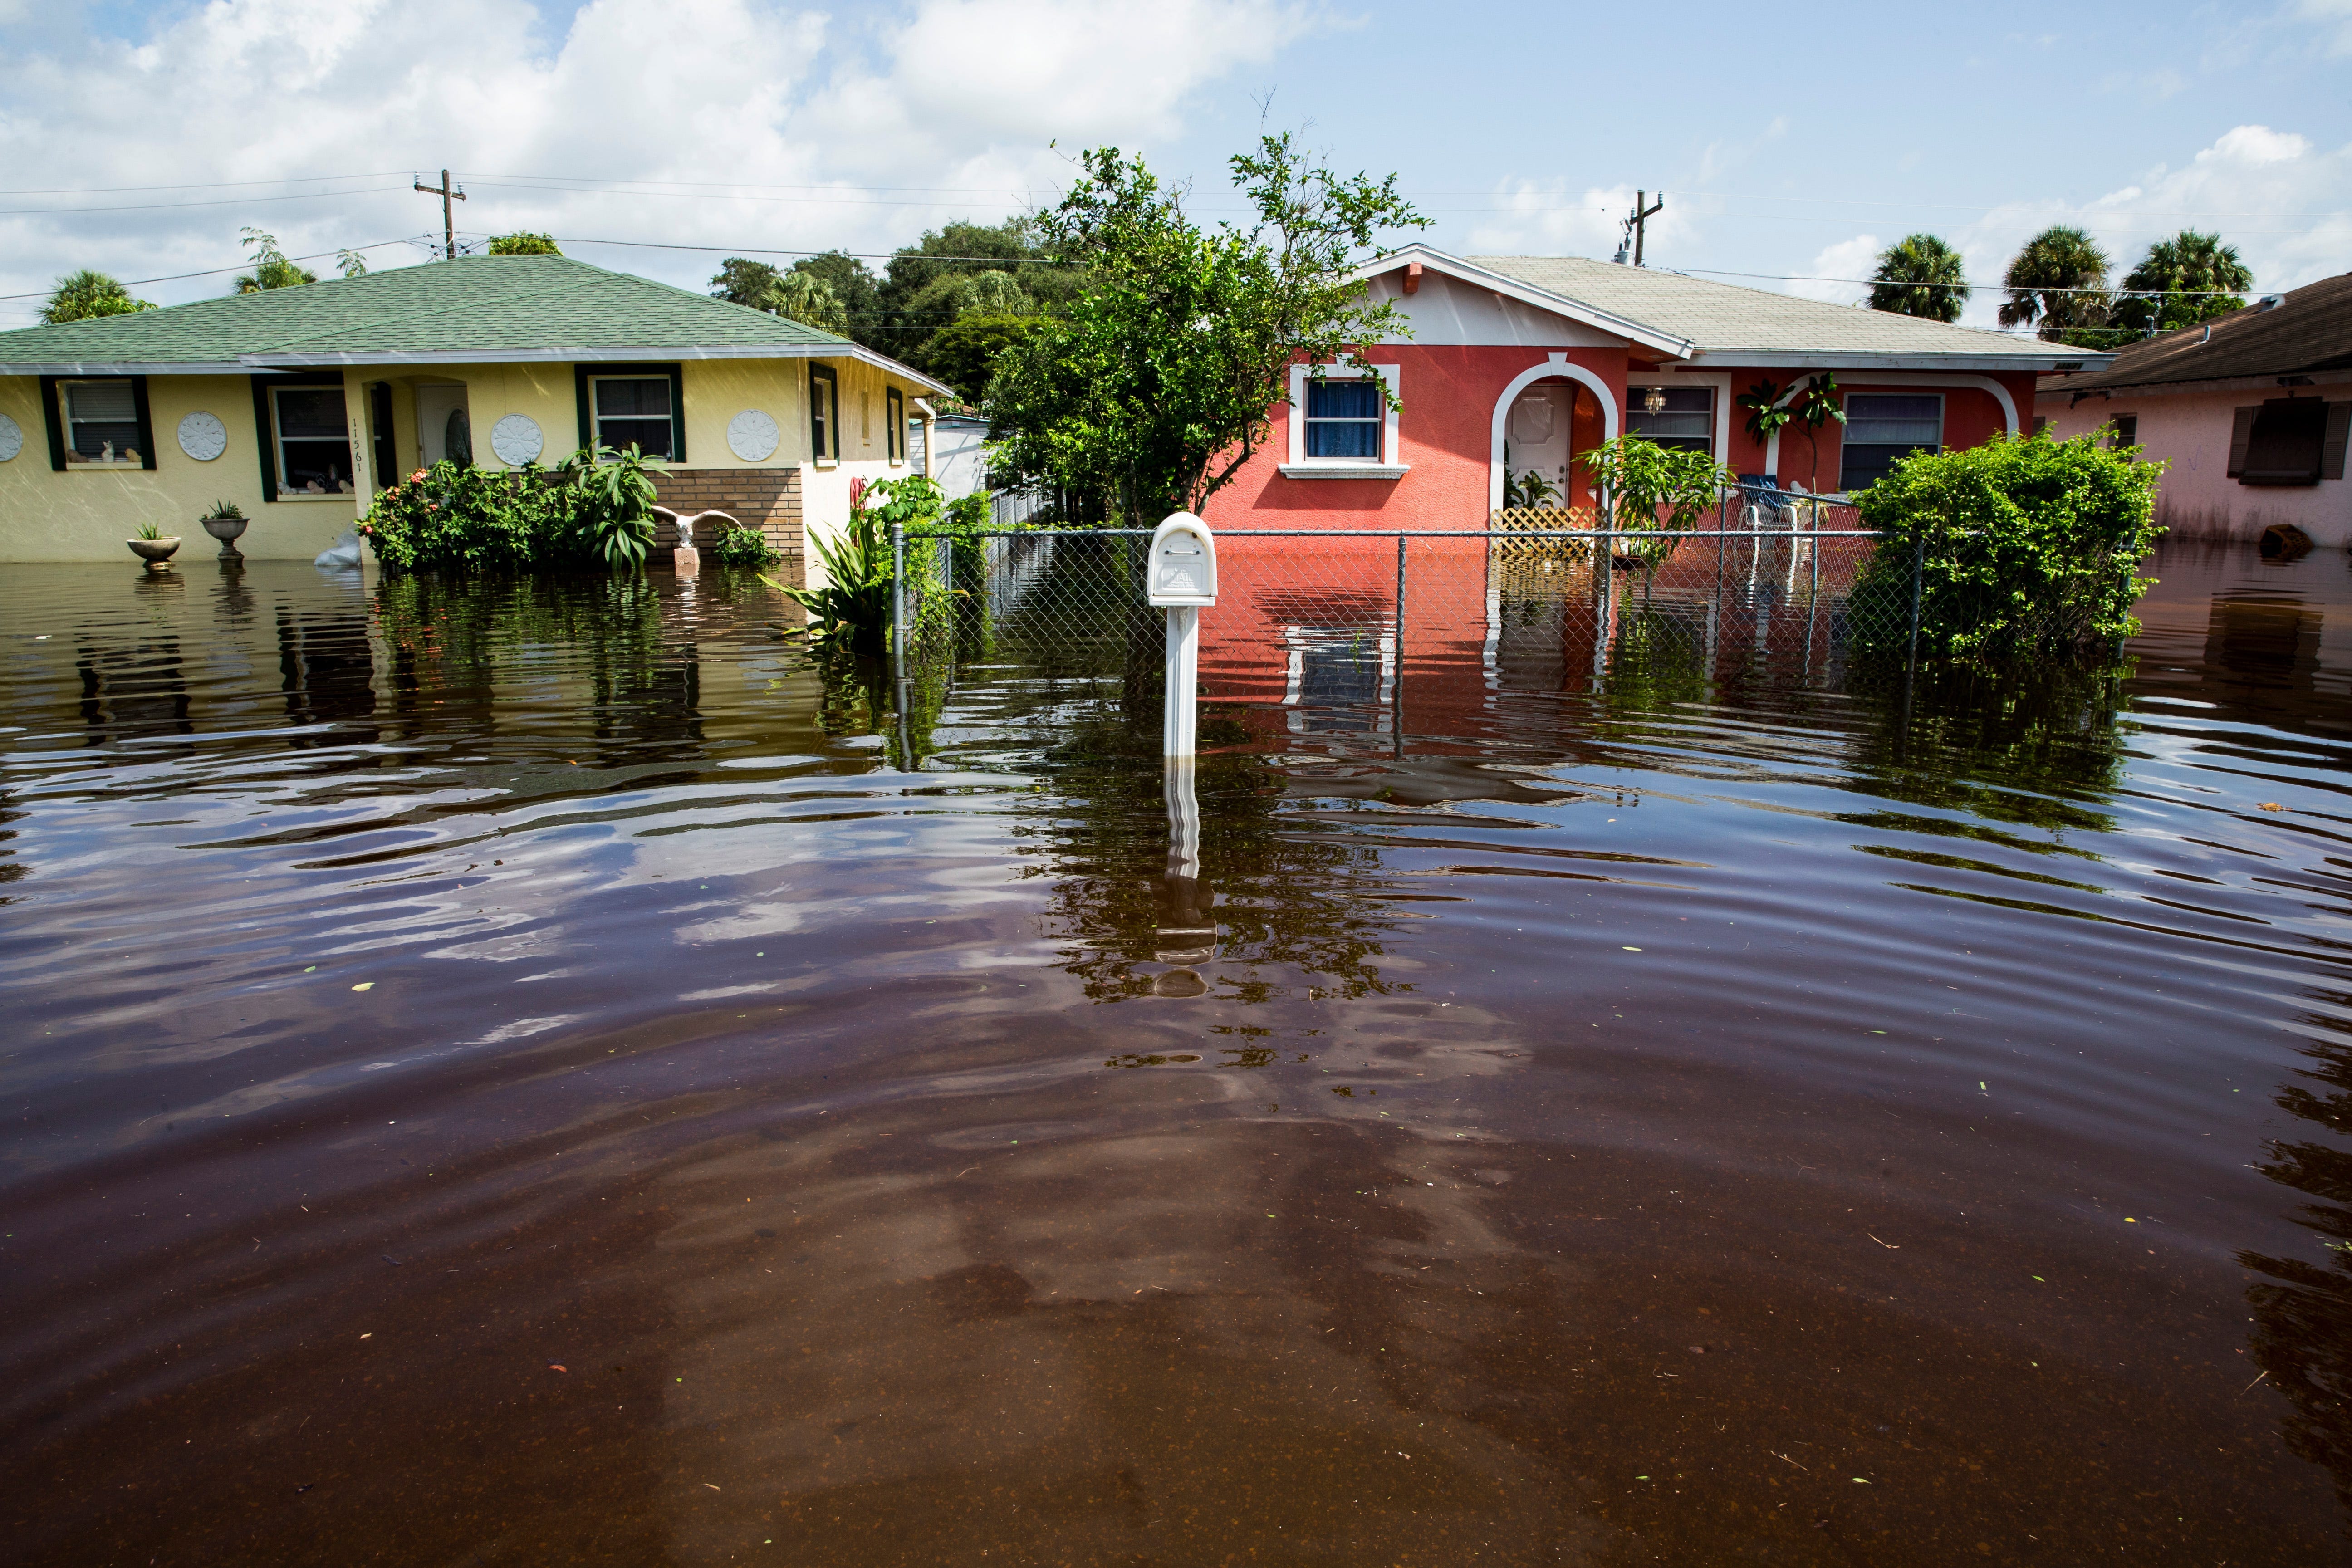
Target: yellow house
[299, 404]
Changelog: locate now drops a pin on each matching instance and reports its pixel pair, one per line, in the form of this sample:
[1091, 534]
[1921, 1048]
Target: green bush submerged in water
[742, 547]
[2031, 546]
[596, 509]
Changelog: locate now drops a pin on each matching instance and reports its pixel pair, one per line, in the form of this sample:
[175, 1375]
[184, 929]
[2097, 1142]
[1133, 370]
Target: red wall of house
[1445, 434]
[1971, 416]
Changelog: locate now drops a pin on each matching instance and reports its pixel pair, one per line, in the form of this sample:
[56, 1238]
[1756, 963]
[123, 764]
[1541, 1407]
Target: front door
[1537, 443]
[442, 428]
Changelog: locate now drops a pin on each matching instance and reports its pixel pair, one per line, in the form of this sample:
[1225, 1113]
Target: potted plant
[154, 547]
[225, 522]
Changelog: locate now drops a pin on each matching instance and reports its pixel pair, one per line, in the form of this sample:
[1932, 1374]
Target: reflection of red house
[1521, 364]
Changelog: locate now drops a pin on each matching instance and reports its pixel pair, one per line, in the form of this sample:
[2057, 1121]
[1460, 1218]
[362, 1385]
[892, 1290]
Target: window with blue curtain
[1344, 419]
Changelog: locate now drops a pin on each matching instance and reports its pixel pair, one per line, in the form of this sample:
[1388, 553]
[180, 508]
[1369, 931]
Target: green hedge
[452, 517]
[2025, 545]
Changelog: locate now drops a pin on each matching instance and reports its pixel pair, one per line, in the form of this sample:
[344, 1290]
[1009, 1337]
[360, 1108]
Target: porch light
[1654, 400]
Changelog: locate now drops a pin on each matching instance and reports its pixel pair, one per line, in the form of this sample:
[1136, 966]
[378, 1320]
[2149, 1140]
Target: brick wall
[766, 499]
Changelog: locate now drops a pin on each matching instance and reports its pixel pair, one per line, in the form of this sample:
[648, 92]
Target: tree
[2193, 278]
[524, 242]
[2058, 279]
[272, 268]
[1814, 405]
[1159, 383]
[922, 291]
[83, 295]
[350, 263]
[964, 354]
[808, 299]
[854, 284]
[740, 281]
[1919, 275]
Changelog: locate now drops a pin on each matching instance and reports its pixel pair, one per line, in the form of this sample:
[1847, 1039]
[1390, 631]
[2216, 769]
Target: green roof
[477, 307]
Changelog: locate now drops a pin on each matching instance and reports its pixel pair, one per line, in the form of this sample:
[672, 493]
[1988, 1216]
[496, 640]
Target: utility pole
[448, 193]
[1640, 221]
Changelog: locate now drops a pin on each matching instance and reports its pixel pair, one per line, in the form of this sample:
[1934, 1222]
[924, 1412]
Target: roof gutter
[2028, 365]
[1528, 294]
[247, 363]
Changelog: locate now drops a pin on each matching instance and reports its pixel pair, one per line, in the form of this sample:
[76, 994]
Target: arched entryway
[1547, 416]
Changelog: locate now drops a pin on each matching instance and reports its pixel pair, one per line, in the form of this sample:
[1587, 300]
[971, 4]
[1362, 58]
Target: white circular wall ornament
[203, 436]
[751, 435]
[12, 439]
[517, 439]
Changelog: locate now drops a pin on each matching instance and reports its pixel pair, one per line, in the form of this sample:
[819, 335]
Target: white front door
[1536, 437]
[435, 405]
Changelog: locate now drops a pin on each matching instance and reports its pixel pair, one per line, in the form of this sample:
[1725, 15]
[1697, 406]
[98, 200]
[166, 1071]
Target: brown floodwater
[529, 1073]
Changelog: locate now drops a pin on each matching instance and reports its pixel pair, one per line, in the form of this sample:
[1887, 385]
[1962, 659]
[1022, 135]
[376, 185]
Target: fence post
[897, 597]
[1918, 567]
[1396, 688]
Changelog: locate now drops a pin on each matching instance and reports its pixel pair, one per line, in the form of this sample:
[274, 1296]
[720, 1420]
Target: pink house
[1517, 364]
[2251, 412]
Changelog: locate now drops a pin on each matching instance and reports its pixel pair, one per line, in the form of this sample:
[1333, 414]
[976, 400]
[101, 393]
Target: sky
[1791, 143]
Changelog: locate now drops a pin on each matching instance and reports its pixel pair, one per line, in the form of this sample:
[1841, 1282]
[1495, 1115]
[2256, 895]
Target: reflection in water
[544, 1070]
[2303, 1317]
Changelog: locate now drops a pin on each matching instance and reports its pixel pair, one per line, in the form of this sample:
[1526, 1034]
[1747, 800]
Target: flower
[413, 478]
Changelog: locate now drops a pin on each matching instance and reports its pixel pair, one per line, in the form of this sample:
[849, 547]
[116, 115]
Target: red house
[1521, 362]
[1517, 364]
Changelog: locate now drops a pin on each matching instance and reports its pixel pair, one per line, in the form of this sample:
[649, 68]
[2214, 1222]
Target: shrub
[616, 495]
[2025, 545]
[742, 546]
[452, 517]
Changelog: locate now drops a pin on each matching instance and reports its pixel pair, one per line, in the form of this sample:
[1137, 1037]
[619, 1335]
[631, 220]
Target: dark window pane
[89, 437]
[320, 466]
[1678, 399]
[650, 436]
[1344, 438]
[1864, 464]
[2286, 445]
[1359, 399]
[619, 399]
[311, 413]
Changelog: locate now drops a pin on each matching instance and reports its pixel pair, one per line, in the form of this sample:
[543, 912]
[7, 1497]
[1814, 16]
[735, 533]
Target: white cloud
[1545, 218]
[2334, 18]
[1848, 259]
[2286, 203]
[891, 124]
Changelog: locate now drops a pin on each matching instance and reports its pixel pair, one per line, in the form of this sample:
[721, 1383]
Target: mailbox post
[1182, 579]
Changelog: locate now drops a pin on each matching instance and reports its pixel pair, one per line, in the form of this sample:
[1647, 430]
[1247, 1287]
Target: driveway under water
[525, 1074]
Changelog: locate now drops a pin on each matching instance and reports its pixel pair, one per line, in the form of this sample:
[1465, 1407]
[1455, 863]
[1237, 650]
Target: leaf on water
[1632, 950]
[2270, 805]
[365, 985]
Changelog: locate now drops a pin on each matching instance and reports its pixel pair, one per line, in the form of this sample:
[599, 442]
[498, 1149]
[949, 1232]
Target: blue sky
[1791, 142]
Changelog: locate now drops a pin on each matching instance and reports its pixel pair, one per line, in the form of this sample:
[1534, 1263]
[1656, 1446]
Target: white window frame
[65, 416]
[1845, 433]
[829, 377]
[285, 487]
[596, 414]
[1302, 466]
[1719, 381]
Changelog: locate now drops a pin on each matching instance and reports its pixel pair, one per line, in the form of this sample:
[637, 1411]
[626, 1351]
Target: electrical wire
[1905, 283]
[208, 185]
[219, 202]
[236, 267]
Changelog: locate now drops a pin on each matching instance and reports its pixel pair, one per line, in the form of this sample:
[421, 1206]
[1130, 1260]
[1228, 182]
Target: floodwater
[528, 1075]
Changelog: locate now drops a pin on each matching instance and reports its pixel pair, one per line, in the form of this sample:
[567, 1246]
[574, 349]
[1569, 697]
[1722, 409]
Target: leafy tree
[2024, 545]
[1653, 488]
[1159, 383]
[81, 296]
[272, 267]
[964, 355]
[740, 281]
[1766, 412]
[350, 263]
[810, 300]
[2058, 279]
[2194, 278]
[524, 243]
[854, 284]
[920, 294]
[1919, 275]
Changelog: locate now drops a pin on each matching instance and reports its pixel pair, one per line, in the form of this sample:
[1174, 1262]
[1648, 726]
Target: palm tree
[1919, 275]
[2194, 278]
[79, 296]
[2058, 279]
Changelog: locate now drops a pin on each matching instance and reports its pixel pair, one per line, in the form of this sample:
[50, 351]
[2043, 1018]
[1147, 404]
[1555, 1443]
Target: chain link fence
[1379, 632]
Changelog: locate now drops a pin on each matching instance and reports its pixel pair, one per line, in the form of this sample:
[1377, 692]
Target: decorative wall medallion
[517, 439]
[203, 436]
[12, 439]
[751, 435]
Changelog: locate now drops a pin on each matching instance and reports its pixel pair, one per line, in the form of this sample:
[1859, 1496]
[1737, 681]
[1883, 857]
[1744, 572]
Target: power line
[211, 185]
[220, 201]
[238, 267]
[2023, 288]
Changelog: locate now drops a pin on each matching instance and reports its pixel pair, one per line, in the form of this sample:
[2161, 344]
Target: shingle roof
[484, 308]
[1725, 320]
[2310, 329]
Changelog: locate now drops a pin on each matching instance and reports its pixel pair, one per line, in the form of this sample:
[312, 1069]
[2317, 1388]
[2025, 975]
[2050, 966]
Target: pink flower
[416, 475]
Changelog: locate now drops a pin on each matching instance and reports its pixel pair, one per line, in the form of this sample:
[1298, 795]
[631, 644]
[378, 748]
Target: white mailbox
[1183, 564]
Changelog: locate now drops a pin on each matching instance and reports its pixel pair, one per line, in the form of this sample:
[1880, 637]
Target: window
[2125, 432]
[101, 422]
[314, 450]
[893, 424]
[865, 418]
[1684, 417]
[637, 410]
[2289, 441]
[1344, 420]
[824, 414]
[1882, 427]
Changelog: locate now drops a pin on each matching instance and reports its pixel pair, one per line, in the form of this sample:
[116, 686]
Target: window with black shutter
[2284, 442]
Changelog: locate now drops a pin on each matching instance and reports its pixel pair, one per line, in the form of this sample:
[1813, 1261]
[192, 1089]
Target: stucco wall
[2191, 432]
